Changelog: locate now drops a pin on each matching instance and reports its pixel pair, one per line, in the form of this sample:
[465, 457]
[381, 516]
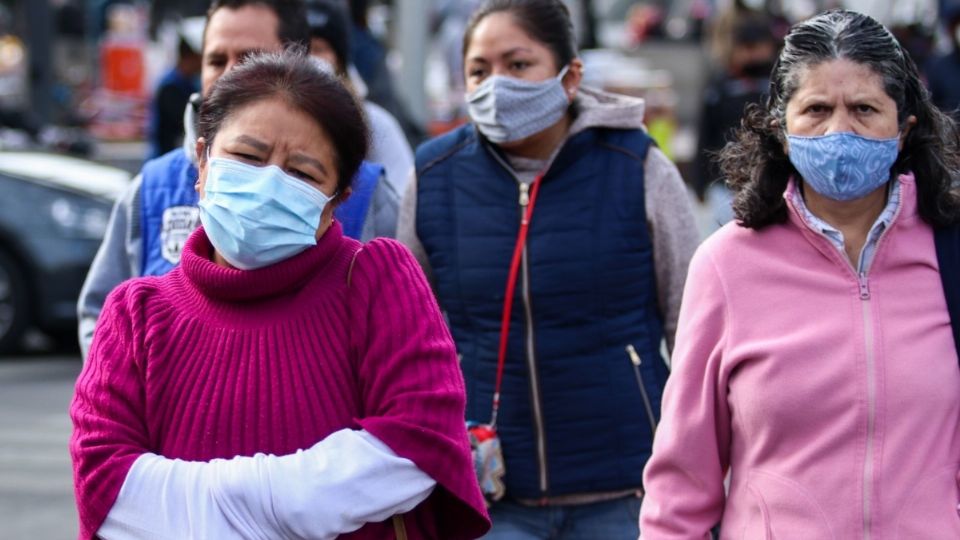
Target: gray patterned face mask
[507, 109]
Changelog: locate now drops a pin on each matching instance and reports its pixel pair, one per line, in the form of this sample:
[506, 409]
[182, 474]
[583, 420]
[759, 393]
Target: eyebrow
[300, 158]
[250, 141]
[515, 50]
[858, 98]
[507, 54]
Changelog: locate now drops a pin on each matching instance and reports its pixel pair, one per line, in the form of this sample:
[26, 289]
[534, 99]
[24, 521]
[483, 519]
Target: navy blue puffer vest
[573, 418]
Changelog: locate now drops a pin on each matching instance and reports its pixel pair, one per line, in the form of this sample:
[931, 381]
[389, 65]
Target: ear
[326, 218]
[911, 121]
[341, 197]
[571, 81]
[201, 149]
[780, 134]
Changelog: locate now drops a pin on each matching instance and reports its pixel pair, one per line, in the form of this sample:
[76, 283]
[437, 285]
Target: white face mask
[507, 109]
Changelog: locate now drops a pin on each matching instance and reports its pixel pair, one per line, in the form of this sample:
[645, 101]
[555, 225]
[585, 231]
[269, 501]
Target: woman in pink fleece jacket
[814, 360]
[283, 381]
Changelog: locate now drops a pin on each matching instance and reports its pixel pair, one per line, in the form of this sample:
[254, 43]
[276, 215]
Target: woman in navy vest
[552, 222]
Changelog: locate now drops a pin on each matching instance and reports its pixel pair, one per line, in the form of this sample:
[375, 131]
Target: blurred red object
[123, 69]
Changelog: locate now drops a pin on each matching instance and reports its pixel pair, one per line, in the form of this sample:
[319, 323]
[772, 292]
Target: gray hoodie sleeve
[674, 232]
[381, 219]
[118, 259]
[407, 227]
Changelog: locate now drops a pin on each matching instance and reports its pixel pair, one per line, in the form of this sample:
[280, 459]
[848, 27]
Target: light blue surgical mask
[843, 166]
[507, 109]
[258, 216]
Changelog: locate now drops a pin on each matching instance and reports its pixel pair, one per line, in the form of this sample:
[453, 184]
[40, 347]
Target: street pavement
[36, 484]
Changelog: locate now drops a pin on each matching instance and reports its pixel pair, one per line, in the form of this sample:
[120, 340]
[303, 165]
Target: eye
[216, 61]
[475, 73]
[303, 176]
[817, 108]
[865, 109]
[248, 158]
[519, 65]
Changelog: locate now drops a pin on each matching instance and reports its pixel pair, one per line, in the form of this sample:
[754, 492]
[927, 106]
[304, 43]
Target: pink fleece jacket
[832, 398]
[209, 362]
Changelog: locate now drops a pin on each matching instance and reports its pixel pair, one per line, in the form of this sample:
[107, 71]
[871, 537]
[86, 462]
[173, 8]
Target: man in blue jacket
[153, 219]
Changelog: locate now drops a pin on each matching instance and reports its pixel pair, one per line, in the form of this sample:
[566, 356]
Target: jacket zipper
[636, 361]
[531, 354]
[864, 289]
[871, 360]
[538, 424]
[871, 402]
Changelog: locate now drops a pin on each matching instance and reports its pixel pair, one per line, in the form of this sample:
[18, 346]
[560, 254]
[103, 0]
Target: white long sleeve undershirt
[341, 483]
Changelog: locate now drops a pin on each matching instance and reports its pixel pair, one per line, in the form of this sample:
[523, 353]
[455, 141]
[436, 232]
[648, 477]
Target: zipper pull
[524, 194]
[864, 288]
[634, 356]
[635, 360]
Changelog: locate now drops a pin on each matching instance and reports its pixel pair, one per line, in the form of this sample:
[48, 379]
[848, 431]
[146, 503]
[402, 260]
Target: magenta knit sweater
[209, 362]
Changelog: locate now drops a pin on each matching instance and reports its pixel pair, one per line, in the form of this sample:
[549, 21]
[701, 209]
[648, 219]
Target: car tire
[14, 307]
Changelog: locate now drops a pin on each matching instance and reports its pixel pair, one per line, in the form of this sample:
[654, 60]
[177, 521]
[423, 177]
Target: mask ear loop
[560, 76]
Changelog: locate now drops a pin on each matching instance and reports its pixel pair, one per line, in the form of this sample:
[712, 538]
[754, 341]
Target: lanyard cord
[508, 297]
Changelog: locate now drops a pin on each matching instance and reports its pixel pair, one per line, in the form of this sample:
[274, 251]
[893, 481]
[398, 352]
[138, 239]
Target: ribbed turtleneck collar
[234, 285]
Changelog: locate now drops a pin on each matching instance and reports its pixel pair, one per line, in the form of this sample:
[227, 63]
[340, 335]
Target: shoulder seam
[627, 151]
[433, 162]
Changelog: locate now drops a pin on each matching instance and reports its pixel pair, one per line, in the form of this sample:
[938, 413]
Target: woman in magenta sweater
[814, 359]
[284, 381]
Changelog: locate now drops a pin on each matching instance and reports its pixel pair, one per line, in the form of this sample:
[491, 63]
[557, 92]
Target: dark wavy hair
[294, 77]
[546, 21]
[754, 164]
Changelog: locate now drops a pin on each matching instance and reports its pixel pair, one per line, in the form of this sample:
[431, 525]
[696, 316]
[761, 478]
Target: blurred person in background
[744, 80]
[284, 381]
[151, 222]
[815, 365]
[174, 90]
[593, 276]
[449, 20]
[943, 71]
[369, 56]
[330, 41]
[13, 80]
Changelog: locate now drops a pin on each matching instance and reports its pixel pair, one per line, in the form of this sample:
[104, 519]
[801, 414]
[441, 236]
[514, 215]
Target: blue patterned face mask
[843, 166]
[507, 109]
[258, 216]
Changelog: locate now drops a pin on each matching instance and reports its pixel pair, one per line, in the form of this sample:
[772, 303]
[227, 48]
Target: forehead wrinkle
[252, 141]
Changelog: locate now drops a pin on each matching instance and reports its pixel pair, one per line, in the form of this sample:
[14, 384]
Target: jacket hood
[190, 129]
[596, 108]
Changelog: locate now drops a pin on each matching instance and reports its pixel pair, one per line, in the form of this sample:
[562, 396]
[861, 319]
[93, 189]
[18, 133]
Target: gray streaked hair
[754, 164]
